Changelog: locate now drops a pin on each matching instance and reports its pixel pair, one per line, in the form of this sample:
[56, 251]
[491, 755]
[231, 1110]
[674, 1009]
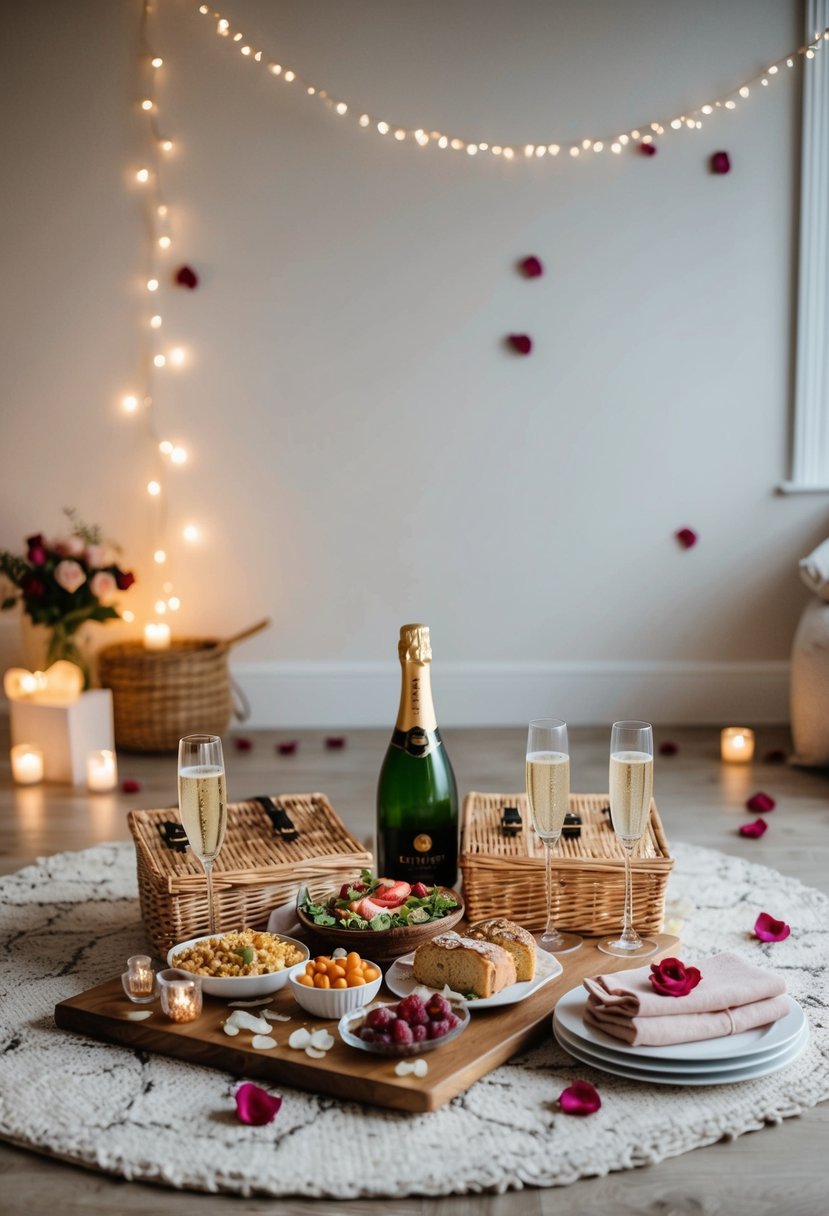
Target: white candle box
[66, 733]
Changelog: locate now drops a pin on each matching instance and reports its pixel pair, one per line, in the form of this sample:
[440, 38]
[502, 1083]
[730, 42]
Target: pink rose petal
[521, 343]
[648, 149]
[720, 162]
[130, 786]
[770, 930]
[776, 756]
[243, 744]
[755, 830]
[288, 748]
[761, 802]
[687, 537]
[256, 1106]
[335, 743]
[532, 267]
[580, 1098]
[668, 748]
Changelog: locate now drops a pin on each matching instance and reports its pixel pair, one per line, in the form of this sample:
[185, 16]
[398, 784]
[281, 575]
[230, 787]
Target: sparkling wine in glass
[548, 793]
[202, 804]
[631, 790]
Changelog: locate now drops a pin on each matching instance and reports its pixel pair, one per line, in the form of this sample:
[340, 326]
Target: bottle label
[429, 856]
[417, 741]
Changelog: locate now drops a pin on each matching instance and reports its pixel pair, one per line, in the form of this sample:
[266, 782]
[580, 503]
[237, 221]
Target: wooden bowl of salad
[380, 918]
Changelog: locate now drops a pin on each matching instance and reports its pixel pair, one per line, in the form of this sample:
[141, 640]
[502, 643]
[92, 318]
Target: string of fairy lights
[615, 143]
[159, 357]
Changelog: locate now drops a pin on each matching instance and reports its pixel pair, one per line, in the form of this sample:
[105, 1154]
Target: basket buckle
[173, 835]
[511, 822]
[282, 823]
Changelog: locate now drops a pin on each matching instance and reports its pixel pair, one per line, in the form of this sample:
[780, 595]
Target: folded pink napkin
[733, 995]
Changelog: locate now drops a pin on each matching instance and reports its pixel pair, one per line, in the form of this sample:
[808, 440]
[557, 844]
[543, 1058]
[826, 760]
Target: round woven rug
[68, 922]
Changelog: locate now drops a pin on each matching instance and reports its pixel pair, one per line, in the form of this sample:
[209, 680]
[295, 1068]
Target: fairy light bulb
[174, 603]
[258, 56]
[529, 149]
[129, 404]
[165, 447]
[155, 322]
[341, 107]
[161, 211]
[156, 61]
[223, 25]
[166, 145]
[275, 69]
[153, 489]
[443, 142]
[164, 242]
[772, 71]
[585, 143]
[142, 176]
[159, 557]
[178, 455]
[383, 128]
[574, 151]
[400, 134]
[789, 63]
[310, 90]
[246, 50]
[190, 532]
[509, 153]
[730, 104]
[624, 140]
[598, 146]
[177, 355]
[152, 284]
[128, 616]
[160, 607]
[744, 91]
[553, 149]
[810, 54]
[364, 120]
[289, 76]
[676, 123]
[616, 147]
[541, 150]
[238, 37]
[707, 109]
[146, 104]
[159, 360]
[456, 144]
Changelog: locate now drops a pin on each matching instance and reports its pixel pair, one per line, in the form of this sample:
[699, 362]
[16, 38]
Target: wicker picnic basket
[257, 870]
[504, 875]
[160, 695]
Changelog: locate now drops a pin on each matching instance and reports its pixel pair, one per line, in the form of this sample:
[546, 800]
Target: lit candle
[737, 744]
[157, 635]
[181, 997]
[27, 764]
[101, 771]
[139, 979]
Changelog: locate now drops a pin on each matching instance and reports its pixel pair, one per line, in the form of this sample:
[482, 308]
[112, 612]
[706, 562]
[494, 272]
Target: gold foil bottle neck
[414, 646]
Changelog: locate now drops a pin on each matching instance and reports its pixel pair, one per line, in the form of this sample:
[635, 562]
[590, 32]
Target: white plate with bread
[491, 964]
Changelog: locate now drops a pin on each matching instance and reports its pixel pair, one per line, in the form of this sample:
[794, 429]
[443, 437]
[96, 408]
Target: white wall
[364, 451]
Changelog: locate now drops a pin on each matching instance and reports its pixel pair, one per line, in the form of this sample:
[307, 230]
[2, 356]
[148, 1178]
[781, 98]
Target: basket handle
[245, 633]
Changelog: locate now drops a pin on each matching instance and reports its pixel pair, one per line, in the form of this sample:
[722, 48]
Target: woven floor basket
[256, 871]
[504, 875]
[160, 695]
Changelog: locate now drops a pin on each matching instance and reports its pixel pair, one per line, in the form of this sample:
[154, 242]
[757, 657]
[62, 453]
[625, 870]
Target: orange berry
[371, 973]
[306, 980]
[322, 981]
[336, 972]
[340, 982]
[352, 960]
[309, 969]
[356, 981]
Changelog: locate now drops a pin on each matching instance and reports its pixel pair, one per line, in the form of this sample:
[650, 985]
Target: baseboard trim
[355, 694]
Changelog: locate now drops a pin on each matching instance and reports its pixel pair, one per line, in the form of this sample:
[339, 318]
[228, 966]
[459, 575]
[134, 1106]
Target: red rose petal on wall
[761, 802]
[668, 748]
[243, 744]
[335, 743]
[130, 786]
[186, 276]
[580, 1098]
[648, 149]
[754, 830]
[720, 162]
[532, 267]
[687, 537]
[522, 343]
[288, 748]
[770, 930]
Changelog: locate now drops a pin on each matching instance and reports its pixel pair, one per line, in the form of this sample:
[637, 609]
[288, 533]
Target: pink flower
[69, 546]
[256, 1106]
[37, 555]
[673, 978]
[761, 802]
[521, 343]
[687, 537]
[532, 267]
[70, 576]
[770, 930]
[580, 1098]
[754, 830]
[720, 162]
[102, 584]
[98, 556]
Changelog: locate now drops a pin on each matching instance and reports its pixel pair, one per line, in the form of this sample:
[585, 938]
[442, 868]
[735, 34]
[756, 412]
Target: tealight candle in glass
[737, 744]
[181, 998]
[139, 979]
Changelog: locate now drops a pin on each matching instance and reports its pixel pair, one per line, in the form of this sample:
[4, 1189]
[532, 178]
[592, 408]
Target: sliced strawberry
[368, 908]
[420, 890]
[399, 890]
[387, 902]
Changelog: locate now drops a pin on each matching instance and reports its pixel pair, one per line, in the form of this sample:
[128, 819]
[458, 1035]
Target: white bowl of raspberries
[407, 1027]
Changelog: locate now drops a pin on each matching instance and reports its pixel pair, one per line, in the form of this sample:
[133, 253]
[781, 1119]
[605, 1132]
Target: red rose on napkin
[673, 978]
[770, 930]
[255, 1105]
[580, 1098]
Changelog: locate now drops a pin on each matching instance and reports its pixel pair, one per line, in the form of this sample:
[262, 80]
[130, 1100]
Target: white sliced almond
[339, 953]
[230, 1029]
[314, 1053]
[246, 1021]
[263, 1042]
[300, 1038]
[250, 1004]
[450, 995]
[275, 1017]
[322, 1040]
[138, 1015]
[420, 1067]
[404, 1068]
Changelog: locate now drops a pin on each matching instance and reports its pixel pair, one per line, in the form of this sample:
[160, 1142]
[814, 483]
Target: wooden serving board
[492, 1036]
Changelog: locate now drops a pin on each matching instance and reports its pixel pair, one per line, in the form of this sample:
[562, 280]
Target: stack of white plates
[723, 1061]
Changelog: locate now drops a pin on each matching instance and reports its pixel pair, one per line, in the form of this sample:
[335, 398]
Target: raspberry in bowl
[407, 1027]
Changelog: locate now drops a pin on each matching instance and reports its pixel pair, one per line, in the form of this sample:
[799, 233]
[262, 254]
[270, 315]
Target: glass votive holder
[181, 999]
[737, 744]
[139, 979]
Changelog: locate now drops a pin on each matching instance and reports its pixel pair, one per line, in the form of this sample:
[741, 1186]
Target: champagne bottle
[417, 798]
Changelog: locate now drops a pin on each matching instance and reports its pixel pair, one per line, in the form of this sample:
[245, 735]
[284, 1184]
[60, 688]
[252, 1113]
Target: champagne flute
[548, 793]
[202, 804]
[631, 790]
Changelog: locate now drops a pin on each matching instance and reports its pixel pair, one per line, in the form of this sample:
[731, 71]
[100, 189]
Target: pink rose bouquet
[65, 582]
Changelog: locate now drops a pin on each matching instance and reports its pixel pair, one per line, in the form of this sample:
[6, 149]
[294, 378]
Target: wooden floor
[779, 1170]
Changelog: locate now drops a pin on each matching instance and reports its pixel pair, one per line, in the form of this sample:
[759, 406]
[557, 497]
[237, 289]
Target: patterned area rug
[68, 922]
